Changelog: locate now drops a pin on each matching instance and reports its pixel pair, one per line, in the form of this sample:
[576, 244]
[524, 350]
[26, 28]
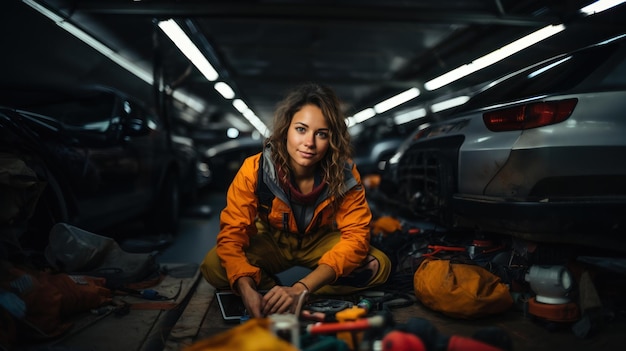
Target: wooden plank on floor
[142, 326]
[114, 332]
[213, 323]
[188, 325]
[157, 337]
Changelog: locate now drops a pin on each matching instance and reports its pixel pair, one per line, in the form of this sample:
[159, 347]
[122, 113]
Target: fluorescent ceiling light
[246, 112]
[450, 103]
[188, 48]
[350, 122]
[225, 90]
[128, 65]
[256, 123]
[409, 116]
[240, 105]
[600, 6]
[182, 41]
[249, 114]
[494, 56]
[364, 115]
[140, 72]
[396, 100]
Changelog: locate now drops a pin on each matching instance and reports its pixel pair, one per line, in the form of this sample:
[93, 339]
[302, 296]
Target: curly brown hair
[340, 149]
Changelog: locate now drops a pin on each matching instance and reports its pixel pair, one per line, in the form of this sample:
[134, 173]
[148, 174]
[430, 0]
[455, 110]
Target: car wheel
[165, 214]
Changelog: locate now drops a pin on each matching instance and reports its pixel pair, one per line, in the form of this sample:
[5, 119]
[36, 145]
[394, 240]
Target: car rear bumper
[594, 222]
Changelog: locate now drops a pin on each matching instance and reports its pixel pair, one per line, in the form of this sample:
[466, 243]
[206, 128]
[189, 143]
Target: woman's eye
[300, 129]
[322, 135]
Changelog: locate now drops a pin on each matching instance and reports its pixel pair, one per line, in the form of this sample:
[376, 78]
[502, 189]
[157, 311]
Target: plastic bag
[75, 250]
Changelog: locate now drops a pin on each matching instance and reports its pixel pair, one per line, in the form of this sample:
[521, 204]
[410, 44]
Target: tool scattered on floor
[419, 334]
[149, 294]
[353, 326]
[552, 285]
[286, 326]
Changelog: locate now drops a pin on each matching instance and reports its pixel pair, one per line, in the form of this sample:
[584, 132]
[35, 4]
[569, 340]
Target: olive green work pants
[276, 251]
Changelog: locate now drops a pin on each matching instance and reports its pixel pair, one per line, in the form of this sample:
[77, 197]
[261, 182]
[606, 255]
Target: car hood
[30, 120]
[30, 125]
[36, 127]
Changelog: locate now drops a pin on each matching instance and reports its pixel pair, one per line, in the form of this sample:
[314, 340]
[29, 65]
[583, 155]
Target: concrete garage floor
[197, 236]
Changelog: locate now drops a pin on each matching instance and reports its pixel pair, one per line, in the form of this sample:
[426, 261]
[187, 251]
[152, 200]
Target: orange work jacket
[237, 220]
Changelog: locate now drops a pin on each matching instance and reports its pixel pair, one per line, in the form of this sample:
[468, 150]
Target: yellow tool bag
[460, 290]
[253, 335]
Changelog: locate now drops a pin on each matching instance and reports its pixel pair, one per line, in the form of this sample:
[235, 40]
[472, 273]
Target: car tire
[165, 215]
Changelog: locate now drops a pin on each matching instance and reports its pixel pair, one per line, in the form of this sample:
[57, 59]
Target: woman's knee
[380, 267]
[212, 270]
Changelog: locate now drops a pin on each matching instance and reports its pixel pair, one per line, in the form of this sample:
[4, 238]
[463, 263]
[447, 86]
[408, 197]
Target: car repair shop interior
[490, 137]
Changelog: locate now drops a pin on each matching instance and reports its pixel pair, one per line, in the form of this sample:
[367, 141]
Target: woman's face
[308, 138]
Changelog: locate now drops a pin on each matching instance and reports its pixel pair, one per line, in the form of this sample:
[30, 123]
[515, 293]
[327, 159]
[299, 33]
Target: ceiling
[367, 51]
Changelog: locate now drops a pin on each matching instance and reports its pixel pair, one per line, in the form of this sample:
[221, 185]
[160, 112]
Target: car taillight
[420, 134]
[528, 116]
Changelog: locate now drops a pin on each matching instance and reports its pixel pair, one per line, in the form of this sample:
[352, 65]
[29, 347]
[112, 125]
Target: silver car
[539, 154]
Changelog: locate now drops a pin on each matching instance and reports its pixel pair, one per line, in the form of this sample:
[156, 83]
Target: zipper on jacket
[286, 222]
[286, 229]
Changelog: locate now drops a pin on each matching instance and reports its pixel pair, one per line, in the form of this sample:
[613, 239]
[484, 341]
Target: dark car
[195, 173]
[375, 144]
[539, 154]
[101, 155]
[225, 159]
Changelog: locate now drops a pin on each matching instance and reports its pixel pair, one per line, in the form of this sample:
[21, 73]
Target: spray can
[287, 327]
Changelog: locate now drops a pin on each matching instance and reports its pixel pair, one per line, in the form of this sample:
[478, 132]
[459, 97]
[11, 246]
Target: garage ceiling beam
[303, 12]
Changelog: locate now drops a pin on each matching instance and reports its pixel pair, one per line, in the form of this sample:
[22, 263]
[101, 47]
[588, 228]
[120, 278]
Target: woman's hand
[281, 299]
[252, 299]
